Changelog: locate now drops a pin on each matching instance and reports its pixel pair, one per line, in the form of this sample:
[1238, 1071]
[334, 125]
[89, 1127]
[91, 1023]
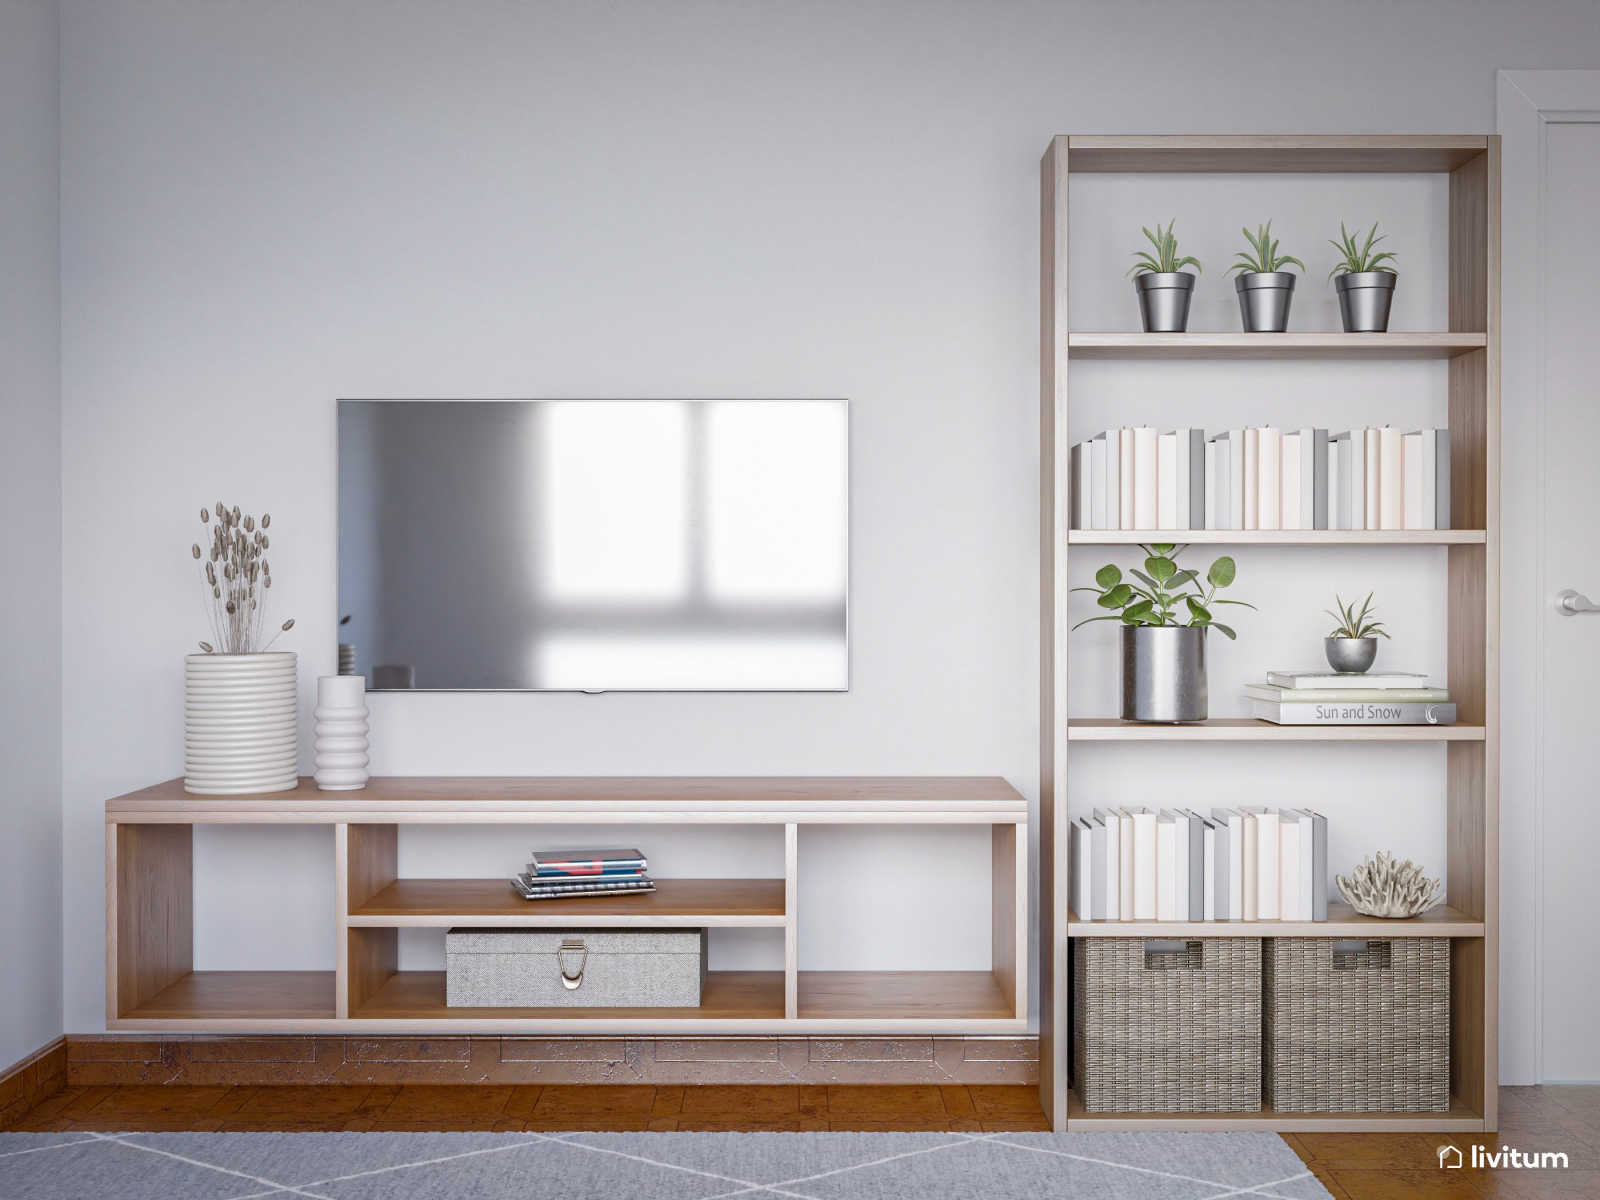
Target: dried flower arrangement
[236, 577]
[1386, 888]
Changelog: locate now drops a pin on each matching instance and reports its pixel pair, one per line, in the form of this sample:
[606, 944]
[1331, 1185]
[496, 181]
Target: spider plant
[1262, 257]
[1164, 589]
[1359, 259]
[1165, 260]
[1353, 624]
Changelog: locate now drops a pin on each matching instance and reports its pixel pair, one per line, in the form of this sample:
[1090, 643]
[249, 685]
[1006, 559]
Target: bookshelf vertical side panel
[154, 881]
[791, 921]
[1003, 881]
[1053, 498]
[367, 860]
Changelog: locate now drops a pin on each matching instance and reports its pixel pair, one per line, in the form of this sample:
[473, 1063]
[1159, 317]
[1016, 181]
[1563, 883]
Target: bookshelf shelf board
[1343, 921]
[1461, 1118]
[1272, 345]
[675, 902]
[251, 997]
[931, 995]
[728, 996]
[1277, 537]
[1248, 729]
[1271, 152]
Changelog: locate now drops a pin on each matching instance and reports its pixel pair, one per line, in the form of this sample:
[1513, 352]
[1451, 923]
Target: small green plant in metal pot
[1164, 287]
[1164, 616]
[1352, 647]
[1264, 287]
[1365, 285]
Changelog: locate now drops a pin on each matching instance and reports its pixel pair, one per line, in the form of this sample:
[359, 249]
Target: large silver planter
[1351, 654]
[1264, 300]
[1364, 300]
[1164, 300]
[1163, 673]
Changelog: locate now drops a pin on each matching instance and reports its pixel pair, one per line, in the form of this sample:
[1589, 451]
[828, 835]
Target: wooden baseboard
[25, 1084]
[103, 1059]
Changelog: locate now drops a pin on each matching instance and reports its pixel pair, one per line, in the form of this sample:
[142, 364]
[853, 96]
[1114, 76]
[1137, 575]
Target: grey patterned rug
[660, 1166]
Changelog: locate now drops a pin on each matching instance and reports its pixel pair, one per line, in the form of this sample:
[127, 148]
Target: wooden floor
[1367, 1166]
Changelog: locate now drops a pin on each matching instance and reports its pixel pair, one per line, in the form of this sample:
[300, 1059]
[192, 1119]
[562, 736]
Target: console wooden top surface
[397, 797]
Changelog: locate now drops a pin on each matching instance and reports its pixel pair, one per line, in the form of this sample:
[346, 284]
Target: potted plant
[240, 733]
[1264, 287]
[1164, 619]
[1163, 285]
[1366, 286]
[1353, 644]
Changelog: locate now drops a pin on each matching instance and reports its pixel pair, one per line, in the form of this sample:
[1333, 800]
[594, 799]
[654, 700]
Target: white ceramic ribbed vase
[240, 734]
[341, 733]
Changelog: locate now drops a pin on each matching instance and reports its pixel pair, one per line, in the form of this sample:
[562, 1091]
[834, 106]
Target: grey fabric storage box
[574, 968]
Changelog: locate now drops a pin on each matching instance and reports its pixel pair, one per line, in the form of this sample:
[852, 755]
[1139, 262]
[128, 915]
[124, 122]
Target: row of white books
[1262, 479]
[1238, 864]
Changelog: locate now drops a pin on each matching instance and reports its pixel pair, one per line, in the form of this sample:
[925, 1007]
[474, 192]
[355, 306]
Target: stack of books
[1326, 698]
[1269, 478]
[559, 874]
[1238, 864]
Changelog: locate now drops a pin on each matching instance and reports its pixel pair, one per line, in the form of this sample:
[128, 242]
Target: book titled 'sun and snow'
[1238, 864]
[1318, 698]
[1370, 478]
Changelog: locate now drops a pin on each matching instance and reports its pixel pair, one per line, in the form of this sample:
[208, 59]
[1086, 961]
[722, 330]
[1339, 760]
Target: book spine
[1373, 477]
[1166, 481]
[1267, 865]
[1314, 479]
[1282, 695]
[1082, 868]
[1212, 481]
[1125, 480]
[1221, 842]
[1289, 868]
[1166, 870]
[1252, 478]
[1411, 503]
[1180, 863]
[1339, 454]
[1097, 871]
[1289, 481]
[1208, 880]
[1097, 483]
[1078, 486]
[1269, 479]
[1308, 903]
[1392, 477]
[1236, 488]
[1428, 477]
[1250, 879]
[1146, 474]
[1319, 867]
[1196, 443]
[1367, 713]
[1125, 884]
[1197, 867]
[1441, 476]
[1144, 866]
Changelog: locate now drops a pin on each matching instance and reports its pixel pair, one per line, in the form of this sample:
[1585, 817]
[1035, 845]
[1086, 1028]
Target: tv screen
[594, 545]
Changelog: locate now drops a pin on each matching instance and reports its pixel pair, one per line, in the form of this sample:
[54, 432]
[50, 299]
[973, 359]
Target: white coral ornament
[1386, 888]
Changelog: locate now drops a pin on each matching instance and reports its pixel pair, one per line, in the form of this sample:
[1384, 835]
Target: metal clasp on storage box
[569, 980]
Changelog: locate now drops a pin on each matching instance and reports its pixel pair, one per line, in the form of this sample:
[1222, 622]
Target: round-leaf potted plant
[1352, 647]
[1164, 616]
[1264, 287]
[1164, 287]
[1365, 285]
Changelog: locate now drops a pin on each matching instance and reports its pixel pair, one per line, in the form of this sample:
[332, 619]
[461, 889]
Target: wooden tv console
[151, 982]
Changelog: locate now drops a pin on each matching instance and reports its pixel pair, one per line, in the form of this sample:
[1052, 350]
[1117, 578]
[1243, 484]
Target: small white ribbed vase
[340, 740]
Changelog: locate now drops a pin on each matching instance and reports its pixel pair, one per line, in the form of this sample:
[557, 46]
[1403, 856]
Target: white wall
[270, 206]
[30, 532]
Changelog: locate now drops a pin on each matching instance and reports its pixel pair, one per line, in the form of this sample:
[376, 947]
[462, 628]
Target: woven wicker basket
[1358, 1026]
[1167, 1026]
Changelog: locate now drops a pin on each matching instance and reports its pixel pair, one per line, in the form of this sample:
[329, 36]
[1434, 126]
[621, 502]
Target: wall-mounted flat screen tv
[594, 545]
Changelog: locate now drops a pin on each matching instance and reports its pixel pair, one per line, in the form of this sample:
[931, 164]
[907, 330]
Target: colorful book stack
[1238, 864]
[1262, 479]
[558, 874]
[1311, 698]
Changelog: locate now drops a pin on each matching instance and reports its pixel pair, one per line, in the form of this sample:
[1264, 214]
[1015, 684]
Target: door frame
[1527, 102]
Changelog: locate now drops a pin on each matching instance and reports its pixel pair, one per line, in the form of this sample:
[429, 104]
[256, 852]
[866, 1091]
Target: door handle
[1570, 603]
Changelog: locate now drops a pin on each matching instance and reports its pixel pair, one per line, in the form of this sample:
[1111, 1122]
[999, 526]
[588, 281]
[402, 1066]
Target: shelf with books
[1272, 345]
[1248, 729]
[1343, 921]
[1468, 353]
[1277, 537]
[712, 903]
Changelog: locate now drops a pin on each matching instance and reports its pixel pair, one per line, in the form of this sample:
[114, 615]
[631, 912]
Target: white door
[1551, 410]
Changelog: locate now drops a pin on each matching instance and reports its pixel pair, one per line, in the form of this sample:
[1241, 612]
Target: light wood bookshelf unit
[151, 983]
[1471, 348]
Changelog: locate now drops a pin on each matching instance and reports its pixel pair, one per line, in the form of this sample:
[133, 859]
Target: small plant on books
[1353, 624]
[1262, 257]
[1358, 258]
[1165, 594]
[1165, 261]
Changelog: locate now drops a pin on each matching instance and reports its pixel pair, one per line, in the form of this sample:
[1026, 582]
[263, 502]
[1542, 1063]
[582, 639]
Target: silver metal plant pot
[1264, 300]
[1351, 654]
[1163, 673]
[1364, 300]
[1164, 300]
